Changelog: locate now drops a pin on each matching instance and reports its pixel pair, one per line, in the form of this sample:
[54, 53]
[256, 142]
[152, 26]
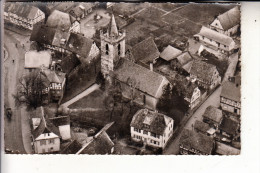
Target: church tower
[112, 46]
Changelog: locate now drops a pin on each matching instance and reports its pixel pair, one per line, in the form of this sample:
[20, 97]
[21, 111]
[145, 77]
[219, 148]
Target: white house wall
[65, 132]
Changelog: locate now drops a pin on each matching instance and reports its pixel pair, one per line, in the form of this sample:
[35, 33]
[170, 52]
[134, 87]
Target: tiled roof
[201, 126]
[213, 113]
[229, 126]
[21, 9]
[34, 59]
[140, 77]
[60, 121]
[184, 58]
[72, 148]
[53, 76]
[230, 18]
[170, 53]
[157, 121]
[187, 67]
[231, 91]
[224, 149]
[216, 36]
[192, 140]
[203, 70]
[60, 38]
[79, 44]
[146, 51]
[45, 125]
[43, 34]
[77, 11]
[60, 20]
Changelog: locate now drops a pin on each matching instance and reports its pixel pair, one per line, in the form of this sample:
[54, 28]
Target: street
[213, 100]
[14, 129]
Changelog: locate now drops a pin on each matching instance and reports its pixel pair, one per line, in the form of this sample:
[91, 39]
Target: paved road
[213, 100]
[12, 129]
[81, 95]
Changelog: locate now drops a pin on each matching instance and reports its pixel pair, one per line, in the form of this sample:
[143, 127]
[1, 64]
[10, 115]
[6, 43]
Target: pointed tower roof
[113, 31]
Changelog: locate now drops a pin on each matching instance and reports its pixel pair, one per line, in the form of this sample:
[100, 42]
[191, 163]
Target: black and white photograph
[122, 78]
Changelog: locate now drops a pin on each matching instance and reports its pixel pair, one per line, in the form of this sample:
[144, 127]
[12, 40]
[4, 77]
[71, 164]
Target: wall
[39, 148]
[65, 132]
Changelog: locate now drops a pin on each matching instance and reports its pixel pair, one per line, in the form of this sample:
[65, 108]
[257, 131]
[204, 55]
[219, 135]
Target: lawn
[127, 8]
[167, 6]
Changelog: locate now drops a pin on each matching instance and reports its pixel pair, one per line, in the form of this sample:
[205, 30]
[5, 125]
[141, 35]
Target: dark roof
[142, 78]
[231, 91]
[77, 11]
[186, 86]
[68, 63]
[60, 121]
[230, 18]
[229, 126]
[43, 34]
[157, 122]
[72, 148]
[146, 51]
[79, 44]
[100, 144]
[60, 20]
[192, 140]
[213, 113]
[216, 36]
[201, 126]
[21, 9]
[45, 125]
[203, 70]
[224, 149]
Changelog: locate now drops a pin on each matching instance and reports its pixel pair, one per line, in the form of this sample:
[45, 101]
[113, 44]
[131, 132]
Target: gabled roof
[187, 67]
[72, 148]
[60, 121]
[45, 125]
[77, 11]
[170, 53]
[60, 20]
[21, 9]
[216, 36]
[192, 140]
[201, 126]
[79, 44]
[224, 149]
[53, 76]
[100, 144]
[213, 113]
[157, 122]
[34, 59]
[43, 34]
[230, 18]
[146, 51]
[184, 58]
[139, 77]
[231, 91]
[203, 70]
[229, 126]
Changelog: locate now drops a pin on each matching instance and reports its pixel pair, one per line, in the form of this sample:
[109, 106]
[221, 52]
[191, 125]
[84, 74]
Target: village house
[170, 53]
[46, 136]
[213, 116]
[206, 75]
[84, 48]
[63, 21]
[72, 148]
[63, 124]
[99, 144]
[223, 149]
[54, 82]
[201, 127]
[216, 40]
[196, 143]
[227, 23]
[152, 128]
[229, 128]
[145, 52]
[82, 10]
[34, 59]
[182, 63]
[230, 97]
[22, 14]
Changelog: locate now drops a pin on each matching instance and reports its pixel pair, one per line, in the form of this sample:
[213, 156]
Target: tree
[101, 80]
[30, 90]
[164, 103]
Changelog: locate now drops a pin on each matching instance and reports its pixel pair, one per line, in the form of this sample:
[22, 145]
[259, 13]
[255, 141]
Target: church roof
[113, 31]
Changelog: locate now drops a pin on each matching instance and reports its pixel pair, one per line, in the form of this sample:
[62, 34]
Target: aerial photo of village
[121, 78]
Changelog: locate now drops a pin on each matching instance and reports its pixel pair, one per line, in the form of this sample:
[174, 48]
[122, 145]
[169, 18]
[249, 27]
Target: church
[142, 85]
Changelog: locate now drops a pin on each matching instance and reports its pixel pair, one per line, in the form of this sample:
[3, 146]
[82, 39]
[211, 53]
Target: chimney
[151, 66]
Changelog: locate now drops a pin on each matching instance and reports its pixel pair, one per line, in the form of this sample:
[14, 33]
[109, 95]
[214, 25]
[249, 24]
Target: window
[145, 132]
[153, 134]
[158, 136]
[135, 129]
[43, 142]
[107, 49]
[158, 143]
[154, 142]
[51, 141]
[119, 49]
